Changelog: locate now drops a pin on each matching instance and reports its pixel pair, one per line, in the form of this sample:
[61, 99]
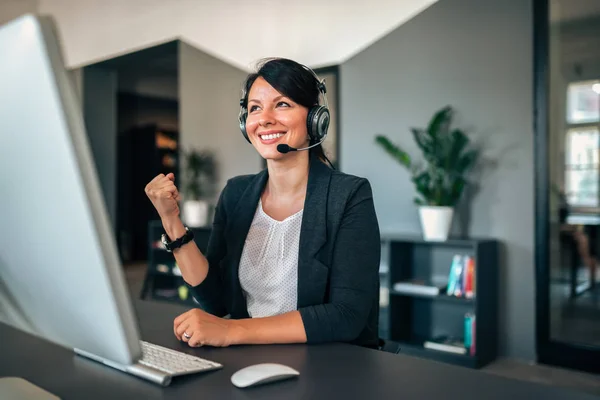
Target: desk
[331, 371]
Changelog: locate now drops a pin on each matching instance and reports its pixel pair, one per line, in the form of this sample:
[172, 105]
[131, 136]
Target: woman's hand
[164, 195]
[199, 328]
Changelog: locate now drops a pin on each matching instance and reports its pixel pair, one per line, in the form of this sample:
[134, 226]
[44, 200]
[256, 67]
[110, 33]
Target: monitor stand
[13, 388]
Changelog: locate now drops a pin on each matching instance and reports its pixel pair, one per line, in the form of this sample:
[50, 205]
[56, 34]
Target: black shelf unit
[142, 156]
[162, 281]
[416, 318]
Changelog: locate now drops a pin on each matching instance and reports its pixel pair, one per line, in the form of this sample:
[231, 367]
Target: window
[582, 161]
[583, 102]
[582, 167]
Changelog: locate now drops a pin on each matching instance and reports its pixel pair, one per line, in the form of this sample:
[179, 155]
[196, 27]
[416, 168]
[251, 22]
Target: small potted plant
[198, 185]
[440, 180]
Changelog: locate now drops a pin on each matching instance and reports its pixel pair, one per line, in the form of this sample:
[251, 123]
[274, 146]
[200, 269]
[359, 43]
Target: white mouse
[262, 373]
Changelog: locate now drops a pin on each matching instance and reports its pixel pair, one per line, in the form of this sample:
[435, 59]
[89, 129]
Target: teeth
[271, 136]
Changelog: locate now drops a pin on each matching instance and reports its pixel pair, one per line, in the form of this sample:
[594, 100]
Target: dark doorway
[567, 143]
[143, 138]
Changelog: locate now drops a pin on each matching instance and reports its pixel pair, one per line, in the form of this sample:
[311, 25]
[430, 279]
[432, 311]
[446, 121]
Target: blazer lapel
[241, 218]
[312, 274]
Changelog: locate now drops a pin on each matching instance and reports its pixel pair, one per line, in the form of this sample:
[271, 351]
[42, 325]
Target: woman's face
[274, 119]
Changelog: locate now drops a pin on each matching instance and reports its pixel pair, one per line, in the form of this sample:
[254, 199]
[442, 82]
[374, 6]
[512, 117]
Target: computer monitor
[60, 274]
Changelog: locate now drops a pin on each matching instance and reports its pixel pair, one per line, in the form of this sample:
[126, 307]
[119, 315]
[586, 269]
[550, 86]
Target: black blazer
[338, 261]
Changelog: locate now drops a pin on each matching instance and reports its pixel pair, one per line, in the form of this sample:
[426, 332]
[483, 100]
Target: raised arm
[204, 281]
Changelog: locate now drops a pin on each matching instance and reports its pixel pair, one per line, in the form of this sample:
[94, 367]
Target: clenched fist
[164, 195]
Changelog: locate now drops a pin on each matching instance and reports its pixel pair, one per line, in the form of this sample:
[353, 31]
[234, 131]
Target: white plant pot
[436, 222]
[195, 213]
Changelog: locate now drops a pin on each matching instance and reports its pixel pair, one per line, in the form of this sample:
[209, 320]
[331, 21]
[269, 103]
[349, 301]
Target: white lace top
[269, 264]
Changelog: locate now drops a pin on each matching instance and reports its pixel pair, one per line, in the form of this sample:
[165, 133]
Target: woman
[294, 250]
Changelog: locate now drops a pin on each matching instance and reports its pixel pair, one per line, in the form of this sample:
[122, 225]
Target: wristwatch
[177, 243]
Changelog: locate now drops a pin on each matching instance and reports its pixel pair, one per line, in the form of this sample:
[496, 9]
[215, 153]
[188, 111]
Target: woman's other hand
[199, 328]
[164, 195]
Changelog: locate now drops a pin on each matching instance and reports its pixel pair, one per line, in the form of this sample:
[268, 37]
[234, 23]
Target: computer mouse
[262, 373]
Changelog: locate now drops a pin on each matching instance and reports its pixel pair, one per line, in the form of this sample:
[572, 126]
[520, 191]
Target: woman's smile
[270, 137]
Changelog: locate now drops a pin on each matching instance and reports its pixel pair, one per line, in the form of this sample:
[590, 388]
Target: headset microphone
[284, 148]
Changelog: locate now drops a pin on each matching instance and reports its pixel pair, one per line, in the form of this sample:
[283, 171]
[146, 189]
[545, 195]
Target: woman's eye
[253, 108]
[283, 103]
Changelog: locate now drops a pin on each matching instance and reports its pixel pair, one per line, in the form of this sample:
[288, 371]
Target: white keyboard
[173, 362]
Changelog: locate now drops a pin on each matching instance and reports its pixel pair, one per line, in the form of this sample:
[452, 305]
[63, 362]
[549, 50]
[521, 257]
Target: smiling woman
[281, 105]
[294, 250]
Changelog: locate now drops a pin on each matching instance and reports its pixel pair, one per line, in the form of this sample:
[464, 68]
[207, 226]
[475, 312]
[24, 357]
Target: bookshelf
[143, 153]
[163, 280]
[417, 319]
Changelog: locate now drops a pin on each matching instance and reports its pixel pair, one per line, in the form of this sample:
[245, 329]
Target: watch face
[163, 239]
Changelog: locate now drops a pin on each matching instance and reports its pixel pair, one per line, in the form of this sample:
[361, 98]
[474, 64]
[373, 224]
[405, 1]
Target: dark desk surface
[326, 371]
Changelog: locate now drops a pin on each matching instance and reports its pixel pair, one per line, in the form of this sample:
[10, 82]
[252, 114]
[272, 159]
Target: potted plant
[440, 180]
[198, 185]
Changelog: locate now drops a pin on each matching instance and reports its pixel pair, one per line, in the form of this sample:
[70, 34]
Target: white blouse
[268, 270]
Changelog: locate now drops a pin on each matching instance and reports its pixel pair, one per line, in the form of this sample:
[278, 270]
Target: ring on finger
[186, 335]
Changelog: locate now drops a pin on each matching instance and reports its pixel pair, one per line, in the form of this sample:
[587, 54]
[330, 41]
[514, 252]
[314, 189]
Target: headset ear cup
[317, 123]
[242, 120]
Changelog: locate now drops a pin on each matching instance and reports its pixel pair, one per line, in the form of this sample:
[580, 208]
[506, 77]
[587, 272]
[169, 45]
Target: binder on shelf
[420, 287]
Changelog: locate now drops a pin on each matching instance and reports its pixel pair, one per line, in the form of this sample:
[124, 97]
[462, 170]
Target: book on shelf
[448, 344]
[420, 287]
[452, 344]
[461, 278]
[460, 281]
[470, 333]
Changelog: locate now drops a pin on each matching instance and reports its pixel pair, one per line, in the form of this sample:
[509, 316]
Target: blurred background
[160, 82]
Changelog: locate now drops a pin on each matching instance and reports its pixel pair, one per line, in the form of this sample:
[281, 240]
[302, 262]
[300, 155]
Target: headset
[317, 121]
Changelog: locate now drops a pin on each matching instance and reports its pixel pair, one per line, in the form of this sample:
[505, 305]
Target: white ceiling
[315, 32]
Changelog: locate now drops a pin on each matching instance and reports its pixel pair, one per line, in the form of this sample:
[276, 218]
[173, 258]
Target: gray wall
[475, 55]
[209, 94]
[100, 111]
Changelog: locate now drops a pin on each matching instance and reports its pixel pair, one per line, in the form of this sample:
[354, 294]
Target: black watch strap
[177, 243]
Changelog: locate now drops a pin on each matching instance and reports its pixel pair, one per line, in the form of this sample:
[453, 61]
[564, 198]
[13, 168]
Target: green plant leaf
[418, 201]
[456, 190]
[458, 141]
[467, 161]
[448, 159]
[396, 152]
[200, 173]
[422, 183]
[423, 141]
[440, 121]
